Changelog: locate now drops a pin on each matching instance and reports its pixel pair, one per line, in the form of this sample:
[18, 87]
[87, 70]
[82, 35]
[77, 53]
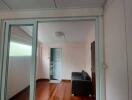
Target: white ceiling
[74, 31]
[3, 6]
[41, 4]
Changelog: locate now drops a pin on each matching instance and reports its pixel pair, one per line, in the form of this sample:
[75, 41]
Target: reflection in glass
[20, 62]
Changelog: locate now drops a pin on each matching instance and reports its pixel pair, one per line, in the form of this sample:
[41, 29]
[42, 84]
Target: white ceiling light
[59, 34]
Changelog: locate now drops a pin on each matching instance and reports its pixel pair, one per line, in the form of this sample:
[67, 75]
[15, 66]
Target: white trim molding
[42, 13]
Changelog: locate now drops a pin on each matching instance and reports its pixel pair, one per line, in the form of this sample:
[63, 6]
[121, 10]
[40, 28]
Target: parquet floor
[52, 91]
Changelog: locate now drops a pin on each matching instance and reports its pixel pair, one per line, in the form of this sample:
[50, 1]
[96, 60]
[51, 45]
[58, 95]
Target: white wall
[115, 50]
[43, 62]
[91, 38]
[18, 75]
[73, 59]
[128, 12]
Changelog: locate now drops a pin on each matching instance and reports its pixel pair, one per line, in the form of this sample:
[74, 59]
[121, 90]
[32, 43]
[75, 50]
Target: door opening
[33, 79]
[66, 58]
[55, 64]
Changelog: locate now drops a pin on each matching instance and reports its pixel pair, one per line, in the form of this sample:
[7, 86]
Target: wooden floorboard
[52, 91]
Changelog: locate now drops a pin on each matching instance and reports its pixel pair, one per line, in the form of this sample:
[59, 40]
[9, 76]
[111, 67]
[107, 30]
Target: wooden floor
[50, 91]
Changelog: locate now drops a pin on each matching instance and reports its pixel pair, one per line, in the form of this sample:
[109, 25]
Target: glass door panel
[19, 61]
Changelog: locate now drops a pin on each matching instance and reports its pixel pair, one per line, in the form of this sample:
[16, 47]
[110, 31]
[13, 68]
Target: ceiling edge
[12, 14]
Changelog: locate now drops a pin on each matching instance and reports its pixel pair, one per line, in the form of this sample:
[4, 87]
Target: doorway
[55, 64]
[72, 38]
[32, 74]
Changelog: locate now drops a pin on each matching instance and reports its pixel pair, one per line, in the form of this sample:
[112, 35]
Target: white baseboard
[54, 81]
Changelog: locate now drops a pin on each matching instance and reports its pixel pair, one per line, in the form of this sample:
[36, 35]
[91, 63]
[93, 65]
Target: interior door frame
[5, 56]
[60, 78]
[99, 39]
[99, 49]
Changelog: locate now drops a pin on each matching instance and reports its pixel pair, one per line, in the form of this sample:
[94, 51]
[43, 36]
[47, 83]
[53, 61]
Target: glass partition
[19, 62]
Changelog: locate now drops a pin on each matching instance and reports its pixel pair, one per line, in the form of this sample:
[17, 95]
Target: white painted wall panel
[128, 7]
[115, 51]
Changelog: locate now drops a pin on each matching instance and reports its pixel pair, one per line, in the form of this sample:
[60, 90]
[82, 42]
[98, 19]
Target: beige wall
[118, 56]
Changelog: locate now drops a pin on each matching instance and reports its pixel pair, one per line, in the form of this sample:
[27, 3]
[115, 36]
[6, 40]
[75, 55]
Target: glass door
[19, 60]
[55, 64]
